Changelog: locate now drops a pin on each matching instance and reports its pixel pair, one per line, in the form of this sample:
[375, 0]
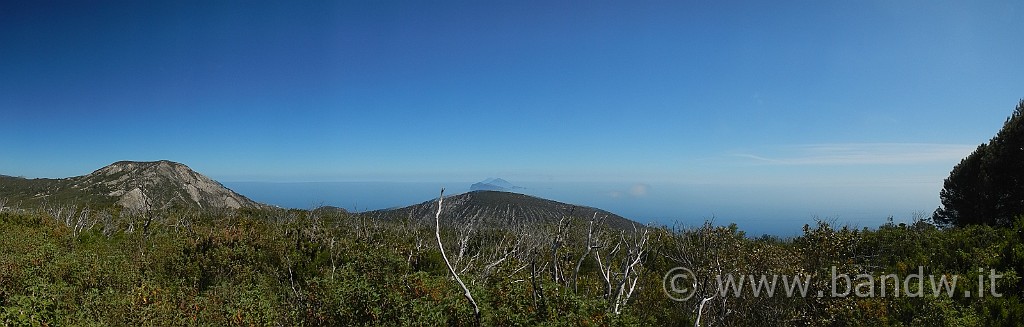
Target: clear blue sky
[771, 93]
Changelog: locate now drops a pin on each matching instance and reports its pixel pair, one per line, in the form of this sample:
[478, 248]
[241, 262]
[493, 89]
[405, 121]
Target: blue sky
[778, 94]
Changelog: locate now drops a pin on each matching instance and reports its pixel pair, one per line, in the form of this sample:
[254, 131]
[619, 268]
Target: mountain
[140, 185]
[494, 184]
[496, 208]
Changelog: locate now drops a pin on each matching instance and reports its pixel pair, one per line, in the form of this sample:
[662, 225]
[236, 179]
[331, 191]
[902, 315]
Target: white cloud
[639, 190]
[635, 191]
[865, 154]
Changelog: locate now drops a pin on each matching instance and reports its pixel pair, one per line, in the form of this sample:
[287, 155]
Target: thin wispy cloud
[638, 190]
[862, 154]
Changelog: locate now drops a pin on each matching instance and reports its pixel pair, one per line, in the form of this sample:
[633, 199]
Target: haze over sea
[756, 209]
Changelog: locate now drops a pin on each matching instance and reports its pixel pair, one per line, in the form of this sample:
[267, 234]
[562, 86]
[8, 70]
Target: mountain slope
[494, 184]
[129, 184]
[496, 208]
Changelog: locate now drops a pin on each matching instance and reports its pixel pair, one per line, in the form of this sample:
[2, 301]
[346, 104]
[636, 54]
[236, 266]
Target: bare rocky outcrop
[147, 185]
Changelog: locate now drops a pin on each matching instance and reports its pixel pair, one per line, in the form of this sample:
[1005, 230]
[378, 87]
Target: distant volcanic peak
[501, 182]
[494, 184]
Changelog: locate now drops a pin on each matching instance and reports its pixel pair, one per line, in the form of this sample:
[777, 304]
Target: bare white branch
[437, 232]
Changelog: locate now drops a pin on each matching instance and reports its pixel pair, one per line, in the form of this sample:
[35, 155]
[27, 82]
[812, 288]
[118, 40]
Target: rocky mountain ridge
[136, 185]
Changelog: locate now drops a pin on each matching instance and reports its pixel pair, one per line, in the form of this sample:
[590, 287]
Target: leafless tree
[418, 240]
[700, 309]
[606, 271]
[511, 246]
[440, 245]
[82, 222]
[464, 235]
[61, 213]
[129, 216]
[590, 246]
[539, 301]
[72, 216]
[700, 250]
[147, 213]
[108, 222]
[620, 282]
[557, 241]
[637, 247]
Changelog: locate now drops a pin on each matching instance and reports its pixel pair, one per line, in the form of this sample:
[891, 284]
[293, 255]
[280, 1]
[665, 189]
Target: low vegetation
[263, 267]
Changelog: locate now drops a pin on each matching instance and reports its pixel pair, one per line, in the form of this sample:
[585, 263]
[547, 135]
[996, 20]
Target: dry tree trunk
[591, 245]
[437, 232]
[632, 260]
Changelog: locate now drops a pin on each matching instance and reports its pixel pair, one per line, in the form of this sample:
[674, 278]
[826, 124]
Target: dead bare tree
[82, 222]
[109, 224]
[539, 301]
[147, 212]
[637, 247]
[440, 246]
[185, 220]
[75, 218]
[606, 271]
[700, 250]
[509, 247]
[129, 215]
[61, 213]
[700, 310]
[463, 258]
[620, 285]
[591, 245]
[556, 244]
[418, 243]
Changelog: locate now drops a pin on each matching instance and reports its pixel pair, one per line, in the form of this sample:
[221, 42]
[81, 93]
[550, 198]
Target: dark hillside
[504, 208]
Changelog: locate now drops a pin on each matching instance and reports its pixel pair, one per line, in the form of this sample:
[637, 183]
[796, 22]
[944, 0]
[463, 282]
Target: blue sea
[756, 209]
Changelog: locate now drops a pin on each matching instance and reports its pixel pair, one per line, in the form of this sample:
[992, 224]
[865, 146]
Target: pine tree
[987, 187]
[965, 193]
[1006, 166]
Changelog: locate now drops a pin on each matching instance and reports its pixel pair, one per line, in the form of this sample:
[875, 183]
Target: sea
[756, 209]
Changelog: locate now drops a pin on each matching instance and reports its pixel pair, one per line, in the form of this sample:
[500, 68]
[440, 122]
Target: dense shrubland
[69, 266]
